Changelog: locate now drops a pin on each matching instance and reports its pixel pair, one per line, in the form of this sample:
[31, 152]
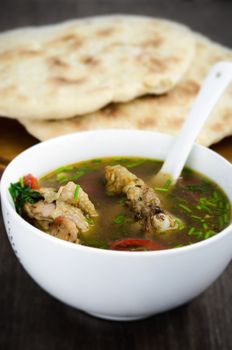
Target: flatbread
[164, 113]
[79, 66]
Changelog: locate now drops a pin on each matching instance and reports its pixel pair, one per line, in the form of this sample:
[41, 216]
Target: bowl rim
[42, 235]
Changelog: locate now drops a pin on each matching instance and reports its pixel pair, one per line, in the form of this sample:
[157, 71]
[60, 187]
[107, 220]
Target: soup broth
[201, 209]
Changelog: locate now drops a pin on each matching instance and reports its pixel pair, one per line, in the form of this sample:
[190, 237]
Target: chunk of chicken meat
[67, 194]
[40, 211]
[141, 198]
[72, 213]
[62, 204]
[49, 194]
[65, 229]
[45, 215]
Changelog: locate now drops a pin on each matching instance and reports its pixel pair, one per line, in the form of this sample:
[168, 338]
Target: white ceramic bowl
[112, 284]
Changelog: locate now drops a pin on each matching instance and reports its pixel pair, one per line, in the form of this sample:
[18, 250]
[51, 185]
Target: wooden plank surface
[30, 318]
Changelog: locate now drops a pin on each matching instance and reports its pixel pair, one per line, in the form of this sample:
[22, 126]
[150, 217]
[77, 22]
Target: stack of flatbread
[109, 72]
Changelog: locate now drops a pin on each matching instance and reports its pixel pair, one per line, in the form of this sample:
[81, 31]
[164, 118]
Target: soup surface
[199, 207]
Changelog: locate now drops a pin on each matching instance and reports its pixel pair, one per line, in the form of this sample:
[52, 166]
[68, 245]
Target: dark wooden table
[32, 320]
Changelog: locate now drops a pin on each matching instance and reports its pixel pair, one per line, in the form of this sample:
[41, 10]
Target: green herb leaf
[122, 201]
[216, 195]
[196, 217]
[96, 243]
[63, 169]
[61, 178]
[209, 233]
[188, 210]
[76, 193]
[179, 245]
[167, 184]
[159, 189]
[188, 171]
[90, 221]
[96, 161]
[206, 201]
[227, 205]
[199, 234]
[191, 231]
[226, 218]
[23, 194]
[202, 187]
[204, 225]
[80, 172]
[203, 207]
[221, 205]
[180, 224]
[135, 163]
[119, 219]
[110, 194]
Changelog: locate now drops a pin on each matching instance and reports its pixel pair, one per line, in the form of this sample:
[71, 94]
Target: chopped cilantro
[23, 194]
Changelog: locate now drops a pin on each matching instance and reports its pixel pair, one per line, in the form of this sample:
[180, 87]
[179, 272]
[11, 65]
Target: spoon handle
[213, 86]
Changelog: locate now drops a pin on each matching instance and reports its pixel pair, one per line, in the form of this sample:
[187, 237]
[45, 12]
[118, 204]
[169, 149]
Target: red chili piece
[31, 181]
[134, 244]
[58, 220]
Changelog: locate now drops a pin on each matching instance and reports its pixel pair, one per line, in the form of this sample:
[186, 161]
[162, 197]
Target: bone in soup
[110, 203]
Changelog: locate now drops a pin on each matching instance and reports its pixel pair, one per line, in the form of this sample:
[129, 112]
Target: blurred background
[211, 17]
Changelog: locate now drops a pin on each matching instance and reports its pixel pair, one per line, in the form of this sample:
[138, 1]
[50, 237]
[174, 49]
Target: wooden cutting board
[14, 139]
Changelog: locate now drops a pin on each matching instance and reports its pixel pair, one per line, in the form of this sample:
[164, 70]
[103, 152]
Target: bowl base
[119, 318]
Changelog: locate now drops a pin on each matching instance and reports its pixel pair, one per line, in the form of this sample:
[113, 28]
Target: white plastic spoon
[213, 86]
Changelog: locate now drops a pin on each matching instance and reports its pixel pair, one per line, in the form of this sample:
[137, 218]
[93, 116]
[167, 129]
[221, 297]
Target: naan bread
[164, 113]
[79, 66]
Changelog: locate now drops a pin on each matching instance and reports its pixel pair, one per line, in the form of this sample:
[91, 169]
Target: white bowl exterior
[116, 285]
